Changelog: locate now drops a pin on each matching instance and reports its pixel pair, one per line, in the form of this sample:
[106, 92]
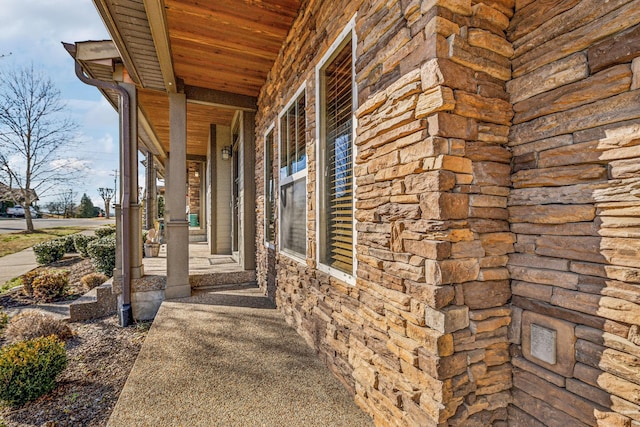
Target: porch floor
[225, 356]
[200, 261]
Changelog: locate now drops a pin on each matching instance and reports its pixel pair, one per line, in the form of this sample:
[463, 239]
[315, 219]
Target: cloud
[71, 164]
[107, 144]
[47, 22]
[98, 113]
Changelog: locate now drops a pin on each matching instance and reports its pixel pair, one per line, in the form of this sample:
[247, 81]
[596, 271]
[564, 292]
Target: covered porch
[191, 73]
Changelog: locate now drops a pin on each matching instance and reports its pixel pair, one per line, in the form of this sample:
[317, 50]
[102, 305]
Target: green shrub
[103, 254]
[92, 280]
[28, 369]
[105, 231]
[48, 252]
[33, 324]
[4, 320]
[81, 241]
[50, 284]
[68, 242]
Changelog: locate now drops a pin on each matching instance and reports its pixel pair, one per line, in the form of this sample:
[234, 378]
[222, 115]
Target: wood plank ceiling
[227, 45]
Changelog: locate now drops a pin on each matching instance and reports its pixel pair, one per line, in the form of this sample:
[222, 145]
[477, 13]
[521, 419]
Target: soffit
[227, 45]
[99, 60]
[126, 21]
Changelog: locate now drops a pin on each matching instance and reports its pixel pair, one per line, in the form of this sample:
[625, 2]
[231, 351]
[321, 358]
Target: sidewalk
[228, 358]
[17, 264]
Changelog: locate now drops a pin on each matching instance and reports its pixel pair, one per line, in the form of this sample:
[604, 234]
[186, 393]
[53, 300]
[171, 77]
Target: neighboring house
[442, 196]
[11, 196]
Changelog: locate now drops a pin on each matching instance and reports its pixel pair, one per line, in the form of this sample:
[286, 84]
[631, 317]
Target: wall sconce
[226, 152]
[197, 174]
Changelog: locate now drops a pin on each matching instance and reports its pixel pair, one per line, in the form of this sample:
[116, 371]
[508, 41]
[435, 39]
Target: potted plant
[152, 246]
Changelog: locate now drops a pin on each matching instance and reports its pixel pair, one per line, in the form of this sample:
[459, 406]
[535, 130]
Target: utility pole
[115, 186]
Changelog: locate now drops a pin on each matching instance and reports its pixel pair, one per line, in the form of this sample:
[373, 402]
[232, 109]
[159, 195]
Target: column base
[178, 260]
[182, 291]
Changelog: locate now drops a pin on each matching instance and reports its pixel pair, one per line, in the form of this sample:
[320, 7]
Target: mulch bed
[77, 267]
[100, 357]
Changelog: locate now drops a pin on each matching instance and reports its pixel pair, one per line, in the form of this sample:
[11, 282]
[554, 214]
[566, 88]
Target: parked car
[18, 211]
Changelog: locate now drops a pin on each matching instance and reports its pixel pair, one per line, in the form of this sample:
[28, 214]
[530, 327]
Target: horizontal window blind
[339, 161]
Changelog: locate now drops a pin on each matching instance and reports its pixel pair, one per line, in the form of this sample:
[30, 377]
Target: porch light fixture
[226, 152]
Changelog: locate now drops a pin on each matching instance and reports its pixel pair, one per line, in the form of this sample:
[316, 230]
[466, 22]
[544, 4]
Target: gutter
[125, 314]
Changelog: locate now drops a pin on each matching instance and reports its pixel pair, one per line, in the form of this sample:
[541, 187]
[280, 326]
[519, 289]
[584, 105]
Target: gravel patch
[101, 355]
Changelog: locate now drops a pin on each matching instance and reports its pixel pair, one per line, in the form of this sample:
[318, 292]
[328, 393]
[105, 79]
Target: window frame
[348, 33]
[291, 179]
[270, 131]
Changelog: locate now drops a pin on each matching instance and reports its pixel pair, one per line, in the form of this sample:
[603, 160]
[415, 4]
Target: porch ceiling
[199, 118]
[227, 45]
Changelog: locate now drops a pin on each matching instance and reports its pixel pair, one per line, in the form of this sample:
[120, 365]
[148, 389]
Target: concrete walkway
[227, 358]
[17, 264]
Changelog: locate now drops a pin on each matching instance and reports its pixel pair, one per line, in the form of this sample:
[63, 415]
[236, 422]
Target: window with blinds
[292, 182]
[293, 146]
[269, 191]
[336, 195]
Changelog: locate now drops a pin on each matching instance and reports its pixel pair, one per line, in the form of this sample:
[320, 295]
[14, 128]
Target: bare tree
[67, 200]
[106, 194]
[33, 134]
[55, 207]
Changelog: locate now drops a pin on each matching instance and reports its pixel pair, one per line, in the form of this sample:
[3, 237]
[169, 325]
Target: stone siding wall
[576, 212]
[421, 338]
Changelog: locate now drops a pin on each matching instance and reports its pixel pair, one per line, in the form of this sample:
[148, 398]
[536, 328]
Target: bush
[4, 320]
[103, 254]
[92, 280]
[80, 242]
[28, 369]
[105, 231]
[48, 252]
[68, 242]
[32, 324]
[27, 281]
[50, 284]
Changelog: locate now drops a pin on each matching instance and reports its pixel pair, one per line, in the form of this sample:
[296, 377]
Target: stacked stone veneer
[497, 193]
[575, 210]
[422, 336]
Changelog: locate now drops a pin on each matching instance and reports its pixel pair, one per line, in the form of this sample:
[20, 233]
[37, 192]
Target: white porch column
[135, 232]
[175, 196]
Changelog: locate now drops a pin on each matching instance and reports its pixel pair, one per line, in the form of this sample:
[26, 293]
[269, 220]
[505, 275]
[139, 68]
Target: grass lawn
[10, 285]
[16, 242]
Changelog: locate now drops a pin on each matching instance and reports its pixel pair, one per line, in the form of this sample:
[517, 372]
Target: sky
[32, 32]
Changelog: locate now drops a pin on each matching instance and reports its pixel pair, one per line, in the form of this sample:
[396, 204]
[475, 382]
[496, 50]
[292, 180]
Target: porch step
[96, 303]
[197, 235]
[200, 281]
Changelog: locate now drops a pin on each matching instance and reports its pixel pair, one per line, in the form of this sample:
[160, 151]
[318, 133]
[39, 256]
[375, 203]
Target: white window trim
[349, 30]
[275, 198]
[294, 177]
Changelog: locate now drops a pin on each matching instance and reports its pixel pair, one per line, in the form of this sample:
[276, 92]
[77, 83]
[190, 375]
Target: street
[11, 225]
